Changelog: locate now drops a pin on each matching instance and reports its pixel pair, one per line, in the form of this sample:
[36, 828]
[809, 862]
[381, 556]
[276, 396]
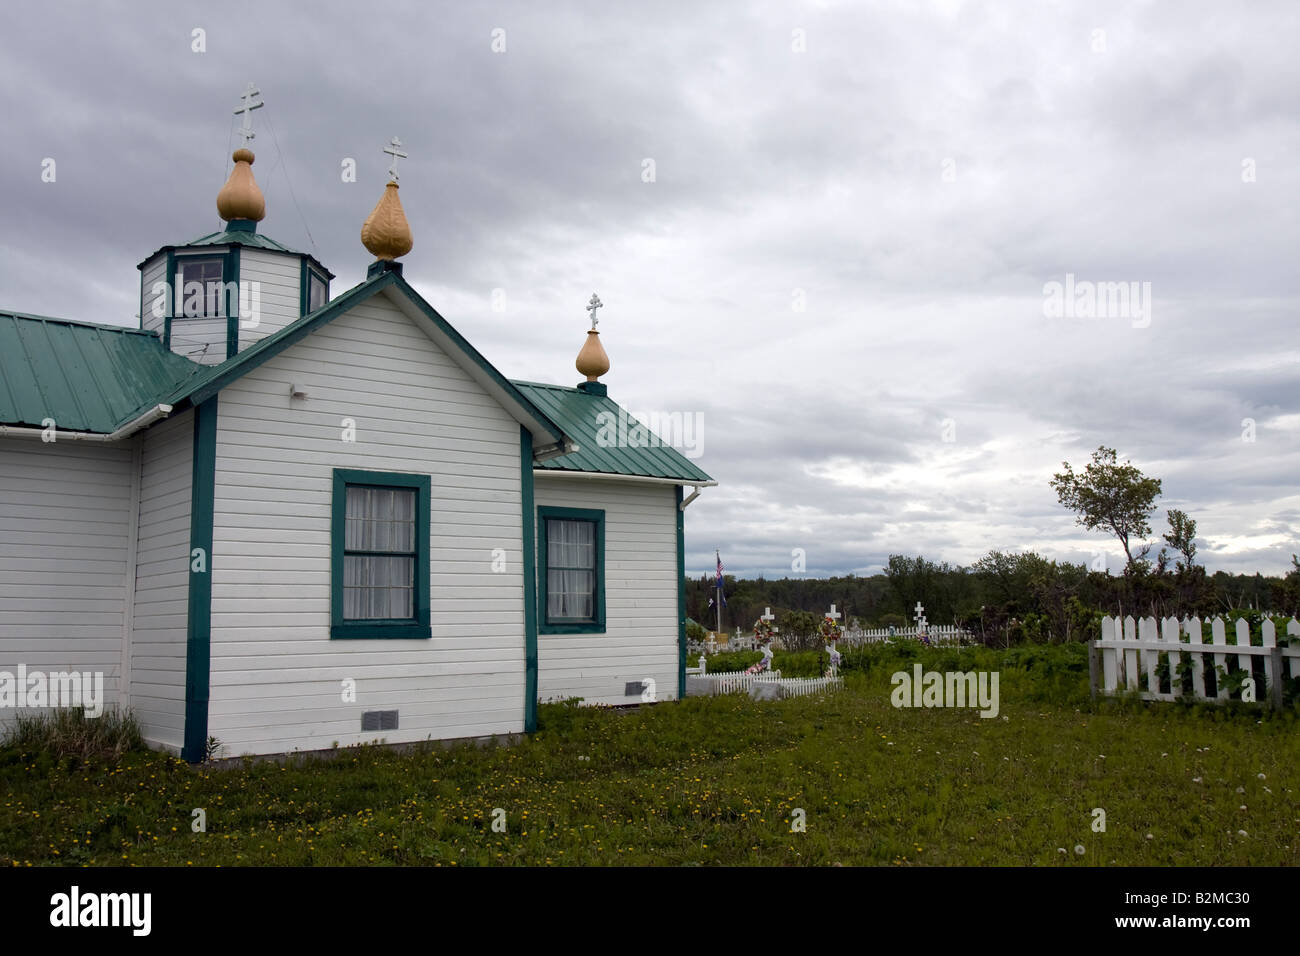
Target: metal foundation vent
[634, 688]
[378, 720]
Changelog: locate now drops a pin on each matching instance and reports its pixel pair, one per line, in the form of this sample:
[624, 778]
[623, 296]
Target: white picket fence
[946, 634]
[739, 682]
[1129, 649]
[850, 637]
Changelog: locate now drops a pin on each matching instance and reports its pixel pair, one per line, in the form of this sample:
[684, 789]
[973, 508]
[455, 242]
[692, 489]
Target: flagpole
[718, 589]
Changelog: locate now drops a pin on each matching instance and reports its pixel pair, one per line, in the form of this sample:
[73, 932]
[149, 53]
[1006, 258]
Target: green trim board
[418, 626]
[169, 271]
[530, 578]
[567, 626]
[198, 628]
[681, 593]
[230, 273]
[212, 379]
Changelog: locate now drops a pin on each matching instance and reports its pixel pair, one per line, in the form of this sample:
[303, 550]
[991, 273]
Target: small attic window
[317, 291]
[201, 287]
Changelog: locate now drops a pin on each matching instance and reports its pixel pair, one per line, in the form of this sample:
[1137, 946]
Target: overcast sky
[840, 261]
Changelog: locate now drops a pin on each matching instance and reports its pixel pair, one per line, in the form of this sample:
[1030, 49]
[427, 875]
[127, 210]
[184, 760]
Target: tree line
[1007, 597]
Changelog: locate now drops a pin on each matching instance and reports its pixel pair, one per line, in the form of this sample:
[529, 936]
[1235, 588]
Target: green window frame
[308, 275]
[176, 260]
[548, 624]
[417, 625]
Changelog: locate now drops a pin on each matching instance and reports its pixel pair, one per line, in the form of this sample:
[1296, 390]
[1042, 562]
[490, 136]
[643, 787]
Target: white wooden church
[289, 520]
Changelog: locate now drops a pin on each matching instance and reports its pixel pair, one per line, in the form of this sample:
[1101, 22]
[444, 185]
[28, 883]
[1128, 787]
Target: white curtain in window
[570, 594]
[571, 563]
[570, 544]
[379, 586]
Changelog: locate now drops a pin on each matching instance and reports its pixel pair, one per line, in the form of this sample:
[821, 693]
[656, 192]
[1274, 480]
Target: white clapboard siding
[276, 676]
[161, 606]
[640, 640]
[64, 535]
[278, 293]
[153, 302]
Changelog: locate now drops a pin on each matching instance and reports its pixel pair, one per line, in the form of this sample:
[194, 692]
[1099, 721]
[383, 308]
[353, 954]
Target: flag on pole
[721, 596]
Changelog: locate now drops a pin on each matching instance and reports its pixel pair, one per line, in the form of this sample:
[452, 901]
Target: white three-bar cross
[394, 149]
[592, 306]
[246, 109]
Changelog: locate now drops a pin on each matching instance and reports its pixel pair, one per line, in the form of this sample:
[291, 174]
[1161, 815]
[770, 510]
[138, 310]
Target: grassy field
[720, 781]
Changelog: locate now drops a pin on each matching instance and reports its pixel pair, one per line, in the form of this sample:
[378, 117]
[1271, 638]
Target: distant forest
[1006, 596]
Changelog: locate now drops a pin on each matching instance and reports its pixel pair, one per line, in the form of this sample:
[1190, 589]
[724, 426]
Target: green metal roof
[97, 378]
[238, 237]
[578, 414]
[92, 378]
[229, 237]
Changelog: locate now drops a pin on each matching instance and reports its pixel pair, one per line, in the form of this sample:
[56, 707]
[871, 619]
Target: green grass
[716, 781]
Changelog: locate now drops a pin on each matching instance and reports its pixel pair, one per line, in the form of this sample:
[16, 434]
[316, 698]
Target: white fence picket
[1243, 638]
[1169, 634]
[1219, 636]
[1268, 639]
[1151, 658]
[1131, 655]
[1109, 656]
[1196, 637]
[1293, 630]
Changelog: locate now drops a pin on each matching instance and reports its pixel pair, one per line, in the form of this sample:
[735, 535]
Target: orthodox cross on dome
[592, 306]
[394, 149]
[246, 109]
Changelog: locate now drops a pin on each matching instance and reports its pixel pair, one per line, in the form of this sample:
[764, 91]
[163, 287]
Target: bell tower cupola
[214, 296]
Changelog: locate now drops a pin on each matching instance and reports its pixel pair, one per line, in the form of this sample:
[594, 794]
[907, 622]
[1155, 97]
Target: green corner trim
[545, 625]
[168, 306]
[303, 281]
[530, 579]
[230, 273]
[681, 593]
[418, 627]
[198, 631]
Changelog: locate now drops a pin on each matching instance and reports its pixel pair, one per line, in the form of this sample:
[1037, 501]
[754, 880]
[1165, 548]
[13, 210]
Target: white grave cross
[921, 622]
[246, 109]
[833, 614]
[394, 149]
